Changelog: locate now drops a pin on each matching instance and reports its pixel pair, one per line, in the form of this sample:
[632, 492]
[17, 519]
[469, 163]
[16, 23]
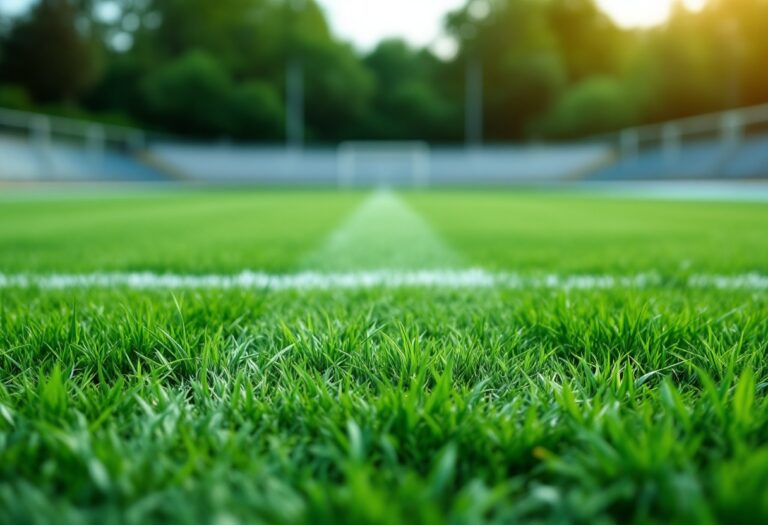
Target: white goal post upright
[371, 163]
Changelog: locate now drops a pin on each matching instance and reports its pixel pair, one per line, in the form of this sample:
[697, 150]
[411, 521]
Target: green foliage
[408, 103]
[257, 112]
[48, 55]
[191, 93]
[338, 90]
[14, 97]
[597, 105]
[195, 94]
[675, 74]
[555, 68]
[530, 83]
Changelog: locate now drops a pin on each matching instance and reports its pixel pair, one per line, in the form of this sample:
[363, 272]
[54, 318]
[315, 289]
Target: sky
[365, 22]
[642, 13]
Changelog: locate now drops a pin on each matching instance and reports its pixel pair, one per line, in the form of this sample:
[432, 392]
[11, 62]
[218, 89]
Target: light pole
[473, 118]
[294, 82]
[294, 94]
[734, 55]
[477, 12]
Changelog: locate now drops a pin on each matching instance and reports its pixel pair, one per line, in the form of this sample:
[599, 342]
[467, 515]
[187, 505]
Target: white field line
[383, 232]
[448, 279]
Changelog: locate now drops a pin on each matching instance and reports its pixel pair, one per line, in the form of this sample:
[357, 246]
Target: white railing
[38, 146]
[41, 130]
[728, 128]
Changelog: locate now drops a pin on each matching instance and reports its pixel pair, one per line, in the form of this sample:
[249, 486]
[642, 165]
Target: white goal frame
[350, 154]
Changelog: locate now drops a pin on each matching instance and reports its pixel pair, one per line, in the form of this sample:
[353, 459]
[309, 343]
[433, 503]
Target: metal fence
[729, 144]
[41, 147]
[41, 130]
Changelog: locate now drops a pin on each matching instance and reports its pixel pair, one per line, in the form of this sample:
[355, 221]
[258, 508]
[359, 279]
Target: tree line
[550, 69]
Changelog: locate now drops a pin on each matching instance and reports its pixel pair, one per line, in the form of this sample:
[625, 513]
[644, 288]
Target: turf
[637, 405]
[200, 232]
[191, 231]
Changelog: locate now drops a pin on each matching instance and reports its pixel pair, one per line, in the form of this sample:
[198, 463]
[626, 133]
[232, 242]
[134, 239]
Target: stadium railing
[36, 146]
[727, 145]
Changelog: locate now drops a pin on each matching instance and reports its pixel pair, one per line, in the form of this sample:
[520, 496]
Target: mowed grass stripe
[383, 233]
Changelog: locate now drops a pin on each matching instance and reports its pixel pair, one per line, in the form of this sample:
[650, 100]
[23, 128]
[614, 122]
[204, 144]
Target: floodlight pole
[473, 118]
[294, 114]
[294, 79]
[730, 33]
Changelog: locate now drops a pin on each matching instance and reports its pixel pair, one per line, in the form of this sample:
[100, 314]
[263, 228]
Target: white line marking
[383, 232]
[450, 279]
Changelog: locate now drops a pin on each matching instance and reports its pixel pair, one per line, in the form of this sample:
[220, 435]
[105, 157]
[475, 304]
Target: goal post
[383, 163]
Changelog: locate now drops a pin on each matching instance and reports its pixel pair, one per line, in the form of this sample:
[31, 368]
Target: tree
[560, 68]
[257, 112]
[523, 69]
[250, 43]
[50, 54]
[409, 102]
[190, 95]
[588, 42]
[596, 105]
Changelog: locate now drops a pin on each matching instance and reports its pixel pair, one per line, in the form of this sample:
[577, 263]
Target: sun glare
[643, 13]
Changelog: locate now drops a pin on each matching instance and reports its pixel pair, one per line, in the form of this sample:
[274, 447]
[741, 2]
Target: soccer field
[419, 357]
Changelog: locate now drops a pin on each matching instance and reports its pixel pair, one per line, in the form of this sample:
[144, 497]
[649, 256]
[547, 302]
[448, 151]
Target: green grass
[565, 233]
[383, 406]
[228, 231]
[192, 232]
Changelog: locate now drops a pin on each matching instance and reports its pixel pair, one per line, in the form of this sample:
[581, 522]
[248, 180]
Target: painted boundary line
[449, 279]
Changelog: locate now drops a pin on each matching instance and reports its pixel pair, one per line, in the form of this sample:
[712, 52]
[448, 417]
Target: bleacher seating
[21, 160]
[704, 159]
[455, 166]
[719, 147]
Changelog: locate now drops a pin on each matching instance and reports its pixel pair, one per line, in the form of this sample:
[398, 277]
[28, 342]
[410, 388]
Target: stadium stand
[730, 146]
[320, 167]
[699, 160]
[22, 161]
[751, 160]
[726, 146]
[37, 147]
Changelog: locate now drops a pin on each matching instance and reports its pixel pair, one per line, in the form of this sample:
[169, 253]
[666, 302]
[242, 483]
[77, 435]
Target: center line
[383, 232]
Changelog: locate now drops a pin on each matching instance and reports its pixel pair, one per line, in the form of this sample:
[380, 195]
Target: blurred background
[401, 93]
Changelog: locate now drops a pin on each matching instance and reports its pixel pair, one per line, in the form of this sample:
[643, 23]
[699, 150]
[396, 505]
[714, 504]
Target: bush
[597, 105]
[191, 95]
[49, 55]
[257, 112]
[420, 112]
[14, 97]
[523, 88]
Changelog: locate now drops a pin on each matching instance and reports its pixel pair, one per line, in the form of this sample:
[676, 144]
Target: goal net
[383, 164]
